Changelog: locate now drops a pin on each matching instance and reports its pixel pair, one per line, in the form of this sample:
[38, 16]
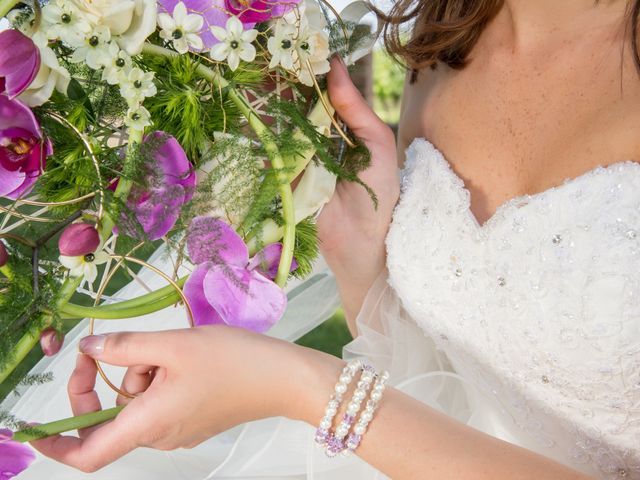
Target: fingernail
[93, 345]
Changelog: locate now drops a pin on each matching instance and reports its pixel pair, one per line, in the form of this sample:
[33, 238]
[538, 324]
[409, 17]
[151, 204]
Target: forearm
[355, 272]
[409, 440]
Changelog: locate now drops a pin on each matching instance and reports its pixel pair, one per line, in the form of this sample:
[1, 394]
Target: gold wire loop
[121, 260]
[89, 149]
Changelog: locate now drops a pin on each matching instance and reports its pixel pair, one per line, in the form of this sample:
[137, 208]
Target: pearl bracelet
[323, 433]
[355, 437]
[334, 443]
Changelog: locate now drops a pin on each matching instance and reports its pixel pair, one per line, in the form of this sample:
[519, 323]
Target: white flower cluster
[300, 43]
[103, 34]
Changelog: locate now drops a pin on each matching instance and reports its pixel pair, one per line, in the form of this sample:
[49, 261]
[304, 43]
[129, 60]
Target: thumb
[126, 349]
[352, 107]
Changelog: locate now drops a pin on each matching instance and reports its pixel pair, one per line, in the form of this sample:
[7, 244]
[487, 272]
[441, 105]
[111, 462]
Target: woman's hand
[196, 383]
[352, 231]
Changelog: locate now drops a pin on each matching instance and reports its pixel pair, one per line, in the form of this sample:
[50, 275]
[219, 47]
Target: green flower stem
[31, 338]
[270, 145]
[147, 298]
[6, 6]
[104, 313]
[22, 349]
[39, 432]
[124, 185]
[7, 272]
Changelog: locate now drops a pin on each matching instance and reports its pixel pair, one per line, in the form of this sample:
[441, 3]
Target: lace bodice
[539, 307]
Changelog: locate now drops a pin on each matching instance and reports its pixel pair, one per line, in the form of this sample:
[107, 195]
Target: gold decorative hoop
[121, 260]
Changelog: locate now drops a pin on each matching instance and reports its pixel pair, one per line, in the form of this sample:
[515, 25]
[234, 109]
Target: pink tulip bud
[51, 341]
[4, 255]
[78, 240]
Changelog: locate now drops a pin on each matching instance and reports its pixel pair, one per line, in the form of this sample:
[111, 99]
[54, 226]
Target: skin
[539, 102]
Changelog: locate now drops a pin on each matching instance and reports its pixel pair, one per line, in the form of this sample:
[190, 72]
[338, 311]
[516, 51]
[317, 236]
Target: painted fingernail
[93, 344]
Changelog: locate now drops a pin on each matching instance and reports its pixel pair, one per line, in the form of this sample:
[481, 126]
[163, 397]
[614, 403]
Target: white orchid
[64, 21]
[119, 64]
[137, 86]
[85, 265]
[50, 76]
[281, 46]
[129, 21]
[138, 118]
[300, 44]
[182, 29]
[94, 49]
[235, 43]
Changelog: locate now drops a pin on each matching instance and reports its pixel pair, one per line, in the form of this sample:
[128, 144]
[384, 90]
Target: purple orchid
[19, 62]
[228, 287]
[4, 255]
[23, 150]
[257, 11]
[15, 457]
[51, 341]
[170, 183]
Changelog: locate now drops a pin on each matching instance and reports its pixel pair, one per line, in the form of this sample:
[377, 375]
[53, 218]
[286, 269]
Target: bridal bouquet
[200, 124]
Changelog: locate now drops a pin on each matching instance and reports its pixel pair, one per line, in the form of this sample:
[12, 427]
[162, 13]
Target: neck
[527, 21]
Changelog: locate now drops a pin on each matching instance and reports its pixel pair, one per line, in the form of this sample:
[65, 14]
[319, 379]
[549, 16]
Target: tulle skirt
[275, 448]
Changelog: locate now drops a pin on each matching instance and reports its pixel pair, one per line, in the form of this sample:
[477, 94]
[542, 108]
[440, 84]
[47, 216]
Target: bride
[503, 297]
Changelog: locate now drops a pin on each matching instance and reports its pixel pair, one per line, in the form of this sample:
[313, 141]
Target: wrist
[311, 384]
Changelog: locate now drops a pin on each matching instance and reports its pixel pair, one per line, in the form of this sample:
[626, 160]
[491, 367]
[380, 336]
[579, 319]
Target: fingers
[353, 108]
[82, 395]
[135, 381]
[128, 349]
[103, 446]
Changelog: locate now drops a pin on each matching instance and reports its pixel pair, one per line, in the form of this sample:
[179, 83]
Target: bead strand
[323, 433]
[337, 443]
[355, 437]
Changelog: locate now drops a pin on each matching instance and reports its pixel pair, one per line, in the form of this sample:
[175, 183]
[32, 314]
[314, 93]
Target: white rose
[130, 21]
[51, 75]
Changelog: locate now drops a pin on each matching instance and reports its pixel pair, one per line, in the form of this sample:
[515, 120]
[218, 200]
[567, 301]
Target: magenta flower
[257, 11]
[170, 183]
[19, 62]
[14, 456]
[228, 287]
[79, 239]
[4, 255]
[51, 341]
[213, 12]
[23, 150]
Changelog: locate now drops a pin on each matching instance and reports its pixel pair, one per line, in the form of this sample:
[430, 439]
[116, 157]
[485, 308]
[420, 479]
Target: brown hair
[446, 30]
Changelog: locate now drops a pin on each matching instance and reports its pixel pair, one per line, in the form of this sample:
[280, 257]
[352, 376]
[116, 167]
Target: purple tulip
[170, 183]
[19, 62]
[228, 287]
[15, 457]
[257, 11]
[51, 341]
[78, 240]
[4, 255]
[213, 12]
[23, 150]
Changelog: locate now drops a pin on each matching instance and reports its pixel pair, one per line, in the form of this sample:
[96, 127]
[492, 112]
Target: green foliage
[306, 248]
[190, 108]
[344, 162]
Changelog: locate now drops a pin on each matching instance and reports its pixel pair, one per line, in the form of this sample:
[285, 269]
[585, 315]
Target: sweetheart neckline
[524, 199]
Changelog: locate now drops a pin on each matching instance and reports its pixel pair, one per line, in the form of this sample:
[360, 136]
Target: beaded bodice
[539, 307]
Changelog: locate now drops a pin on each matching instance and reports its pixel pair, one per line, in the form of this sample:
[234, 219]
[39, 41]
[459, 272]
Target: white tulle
[527, 328]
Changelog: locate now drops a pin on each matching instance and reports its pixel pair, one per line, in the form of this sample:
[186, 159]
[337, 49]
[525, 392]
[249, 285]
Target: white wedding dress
[526, 327]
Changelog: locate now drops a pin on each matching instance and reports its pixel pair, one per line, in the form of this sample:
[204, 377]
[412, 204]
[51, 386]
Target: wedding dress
[526, 327]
